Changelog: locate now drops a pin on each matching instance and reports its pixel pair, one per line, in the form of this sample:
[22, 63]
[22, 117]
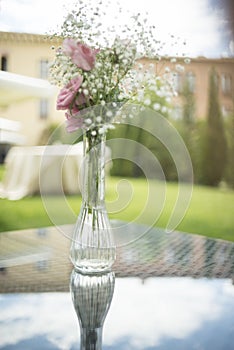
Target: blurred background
[202, 111]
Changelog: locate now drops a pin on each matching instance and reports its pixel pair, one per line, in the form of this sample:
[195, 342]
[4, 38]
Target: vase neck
[91, 339]
[94, 170]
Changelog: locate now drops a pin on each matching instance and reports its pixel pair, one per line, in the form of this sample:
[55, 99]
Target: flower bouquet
[97, 68]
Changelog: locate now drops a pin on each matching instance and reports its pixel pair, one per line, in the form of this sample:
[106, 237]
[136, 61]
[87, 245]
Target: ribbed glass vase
[93, 249]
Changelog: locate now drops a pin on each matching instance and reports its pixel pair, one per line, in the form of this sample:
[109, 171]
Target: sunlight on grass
[210, 212]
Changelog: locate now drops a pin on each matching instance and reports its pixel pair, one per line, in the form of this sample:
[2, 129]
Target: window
[191, 79]
[226, 84]
[44, 69]
[44, 107]
[4, 63]
[178, 82]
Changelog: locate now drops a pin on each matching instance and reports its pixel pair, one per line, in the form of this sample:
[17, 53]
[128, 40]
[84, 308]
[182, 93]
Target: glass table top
[166, 291]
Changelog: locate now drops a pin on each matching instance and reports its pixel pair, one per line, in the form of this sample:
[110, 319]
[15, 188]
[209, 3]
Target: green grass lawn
[210, 212]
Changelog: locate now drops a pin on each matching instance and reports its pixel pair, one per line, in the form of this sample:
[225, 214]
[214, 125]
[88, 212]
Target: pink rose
[82, 55]
[67, 94]
[73, 123]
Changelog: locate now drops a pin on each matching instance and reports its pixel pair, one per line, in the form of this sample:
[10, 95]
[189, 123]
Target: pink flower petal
[82, 55]
[73, 123]
[67, 94]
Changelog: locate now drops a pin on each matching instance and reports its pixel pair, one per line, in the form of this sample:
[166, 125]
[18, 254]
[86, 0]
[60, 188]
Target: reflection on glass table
[167, 291]
[91, 296]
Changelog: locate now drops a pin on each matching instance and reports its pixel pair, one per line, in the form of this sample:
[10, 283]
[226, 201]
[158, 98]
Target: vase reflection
[91, 296]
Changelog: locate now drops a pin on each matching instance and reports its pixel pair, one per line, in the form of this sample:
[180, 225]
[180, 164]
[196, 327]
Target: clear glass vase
[93, 249]
[91, 296]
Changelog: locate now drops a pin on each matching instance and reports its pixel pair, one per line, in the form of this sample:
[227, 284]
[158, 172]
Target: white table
[50, 169]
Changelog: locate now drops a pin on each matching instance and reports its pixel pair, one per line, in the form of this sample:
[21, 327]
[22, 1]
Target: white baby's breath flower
[86, 92]
[101, 130]
[88, 121]
[99, 119]
[109, 114]
[147, 102]
[156, 106]
[168, 98]
[159, 93]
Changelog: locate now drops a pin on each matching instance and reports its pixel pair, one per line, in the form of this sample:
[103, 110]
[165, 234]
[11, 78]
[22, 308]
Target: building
[29, 55]
[197, 74]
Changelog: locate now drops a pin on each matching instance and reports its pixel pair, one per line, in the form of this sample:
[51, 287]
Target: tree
[188, 106]
[215, 145]
[230, 163]
[187, 124]
[188, 118]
